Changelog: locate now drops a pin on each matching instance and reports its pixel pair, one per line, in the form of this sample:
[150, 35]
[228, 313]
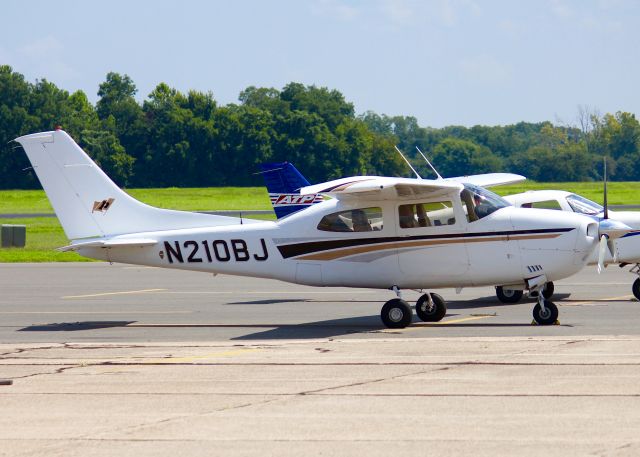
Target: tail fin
[88, 203]
[284, 182]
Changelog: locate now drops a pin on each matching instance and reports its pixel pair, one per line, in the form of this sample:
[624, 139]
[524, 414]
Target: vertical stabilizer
[87, 201]
[284, 182]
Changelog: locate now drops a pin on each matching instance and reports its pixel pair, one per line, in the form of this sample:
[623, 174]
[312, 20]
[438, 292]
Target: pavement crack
[59, 370]
[364, 383]
[4, 355]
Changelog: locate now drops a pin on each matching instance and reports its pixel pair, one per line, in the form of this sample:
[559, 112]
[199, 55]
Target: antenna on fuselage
[429, 163]
[408, 163]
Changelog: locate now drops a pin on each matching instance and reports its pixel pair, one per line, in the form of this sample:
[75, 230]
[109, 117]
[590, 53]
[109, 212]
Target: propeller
[608, 230]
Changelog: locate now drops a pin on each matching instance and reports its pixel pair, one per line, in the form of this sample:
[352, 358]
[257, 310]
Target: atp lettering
[293, 199]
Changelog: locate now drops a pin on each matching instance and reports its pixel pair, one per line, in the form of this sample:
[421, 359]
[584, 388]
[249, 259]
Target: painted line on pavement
[456, 321]
[96, 312]
[420, 325]
[125, 292]
[273, 292]
[595, 302]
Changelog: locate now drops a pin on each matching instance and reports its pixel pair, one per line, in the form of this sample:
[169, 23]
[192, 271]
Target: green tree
[456, 157]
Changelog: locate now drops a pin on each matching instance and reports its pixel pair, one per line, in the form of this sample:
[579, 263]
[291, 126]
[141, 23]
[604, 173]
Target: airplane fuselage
[507, 247]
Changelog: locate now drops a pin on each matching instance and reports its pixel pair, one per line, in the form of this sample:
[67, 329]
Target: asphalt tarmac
[109, 360]
[98, 302]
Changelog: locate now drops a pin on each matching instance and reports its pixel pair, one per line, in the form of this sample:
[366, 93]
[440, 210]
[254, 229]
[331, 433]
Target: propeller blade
[601, 253]
[612, 250]
[606, 206]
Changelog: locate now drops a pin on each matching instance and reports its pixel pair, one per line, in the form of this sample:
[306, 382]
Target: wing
[383, 188]
[489, 179]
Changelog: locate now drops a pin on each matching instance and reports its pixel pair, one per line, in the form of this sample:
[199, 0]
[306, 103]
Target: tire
[636, 288]
[434, 315]
[549, 317]
[508, 295]
[547, 292]
[396, 313]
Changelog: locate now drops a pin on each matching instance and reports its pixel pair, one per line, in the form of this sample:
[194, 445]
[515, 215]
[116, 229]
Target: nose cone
[613, 228]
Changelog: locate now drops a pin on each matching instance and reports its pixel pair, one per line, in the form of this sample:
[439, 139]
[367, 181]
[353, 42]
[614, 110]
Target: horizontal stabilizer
[112, 243]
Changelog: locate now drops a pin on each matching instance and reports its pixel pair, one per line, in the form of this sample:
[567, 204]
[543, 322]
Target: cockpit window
[479, 202]
[353, 220]
[582, 205]
[426, 214]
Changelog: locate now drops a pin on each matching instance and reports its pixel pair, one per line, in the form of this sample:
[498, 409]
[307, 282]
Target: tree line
[188, 140]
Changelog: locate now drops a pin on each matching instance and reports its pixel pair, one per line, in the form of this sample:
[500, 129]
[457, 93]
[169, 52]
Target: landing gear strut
[514, 296]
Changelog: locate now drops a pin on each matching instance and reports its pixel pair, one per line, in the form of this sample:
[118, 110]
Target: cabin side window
[547, 204]
[426, 214]
[353, 220]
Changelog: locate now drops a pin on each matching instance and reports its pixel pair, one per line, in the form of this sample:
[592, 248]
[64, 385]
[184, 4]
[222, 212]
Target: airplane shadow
[270, 301]
[294, 300]
[490, 301]
[319, 329]
[75, 326]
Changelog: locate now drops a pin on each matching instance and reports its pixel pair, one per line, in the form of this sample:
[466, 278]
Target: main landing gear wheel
[636, 288]
[508, 295]
[431, 312]
[547, 317]
[396, 313]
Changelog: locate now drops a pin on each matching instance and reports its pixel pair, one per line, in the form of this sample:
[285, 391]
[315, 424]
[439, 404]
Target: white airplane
[377, 232]
[626, 248]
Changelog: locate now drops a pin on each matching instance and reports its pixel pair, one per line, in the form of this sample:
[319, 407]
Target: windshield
[584, 206]
[480, 202]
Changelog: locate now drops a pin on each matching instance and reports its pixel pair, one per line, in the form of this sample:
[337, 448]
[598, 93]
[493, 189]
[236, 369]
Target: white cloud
[561, 9]
[485, 69]
[397, 11]
[336, 9]
[42, 47]
[45, 56]
[448, 13]
[5, 57]
[509, 26]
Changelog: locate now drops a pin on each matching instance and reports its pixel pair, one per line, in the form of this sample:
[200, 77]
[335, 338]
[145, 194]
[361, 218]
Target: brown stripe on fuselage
[339, 253]
[345, 186]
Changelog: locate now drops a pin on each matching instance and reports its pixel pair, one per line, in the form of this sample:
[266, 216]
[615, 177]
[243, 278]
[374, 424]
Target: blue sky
[446, 62]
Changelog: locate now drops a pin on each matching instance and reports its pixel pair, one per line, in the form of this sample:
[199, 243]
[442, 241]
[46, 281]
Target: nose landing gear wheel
[428, 313]
[508, 295]
[396, 313]
[636, 288]
[547, 317]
